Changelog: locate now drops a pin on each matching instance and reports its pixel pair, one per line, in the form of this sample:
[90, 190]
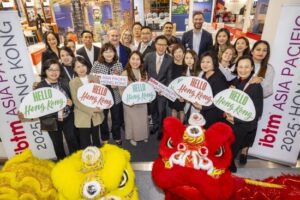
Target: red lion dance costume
[193, 165]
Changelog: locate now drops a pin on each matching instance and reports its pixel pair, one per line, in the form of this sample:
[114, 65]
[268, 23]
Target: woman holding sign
[211, 73]
[245, 131]
[87, 120]
[178, 70]
[108, 63]
[136, 116]
[64, 119]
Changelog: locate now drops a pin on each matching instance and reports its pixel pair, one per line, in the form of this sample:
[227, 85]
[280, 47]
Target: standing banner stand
[16, 79]
[278, 133]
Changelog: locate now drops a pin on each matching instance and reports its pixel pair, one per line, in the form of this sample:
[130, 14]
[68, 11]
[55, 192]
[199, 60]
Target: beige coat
[83, 114]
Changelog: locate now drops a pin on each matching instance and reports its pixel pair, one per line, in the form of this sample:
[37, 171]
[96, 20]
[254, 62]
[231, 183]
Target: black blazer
[124, 54]
[205, 43]
[150, 48]
[173, 38]
[83, 53]
[49, 54]
[66, 72]
[165, 73]
[218, 83]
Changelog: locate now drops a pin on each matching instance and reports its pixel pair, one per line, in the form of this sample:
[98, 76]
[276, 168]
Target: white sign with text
[16, 79]
[95, 95]
[237, 103]
[115, 80]
[162, 89]
[41, 102]
[278, 132]
[175, 82]
[138, 93]
[195, 90]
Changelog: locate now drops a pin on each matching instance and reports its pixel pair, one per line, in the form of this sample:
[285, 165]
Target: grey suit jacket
[165, 73]
[83, 53]
[83, 114]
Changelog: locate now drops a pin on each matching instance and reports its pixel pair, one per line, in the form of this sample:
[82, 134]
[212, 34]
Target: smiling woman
[245, 132]
[63, 119]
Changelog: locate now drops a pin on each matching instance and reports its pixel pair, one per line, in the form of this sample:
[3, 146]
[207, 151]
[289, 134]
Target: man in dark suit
[159, 66]
[197, 39]
[122, 51]
[146, 45]
[88, 51]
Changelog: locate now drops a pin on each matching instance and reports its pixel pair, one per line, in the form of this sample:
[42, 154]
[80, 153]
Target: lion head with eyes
[94, 173]
[193, 162]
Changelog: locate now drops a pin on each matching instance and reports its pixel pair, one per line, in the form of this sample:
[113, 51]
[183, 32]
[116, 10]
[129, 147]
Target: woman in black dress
[178, 69]
[52, 47]
[66, 58]
[63, 120]
[210, 72]
[245, 132]
[222, 40]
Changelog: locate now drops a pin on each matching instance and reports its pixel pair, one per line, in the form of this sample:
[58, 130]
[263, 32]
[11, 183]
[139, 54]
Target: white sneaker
[133, 142]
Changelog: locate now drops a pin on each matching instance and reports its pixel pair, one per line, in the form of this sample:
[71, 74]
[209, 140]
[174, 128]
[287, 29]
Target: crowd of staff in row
[136, 55]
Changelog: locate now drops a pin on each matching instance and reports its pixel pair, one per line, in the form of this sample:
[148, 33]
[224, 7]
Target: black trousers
[158, 113]
[67, 128]
[89, 136]
[244, 136]
[116, 118]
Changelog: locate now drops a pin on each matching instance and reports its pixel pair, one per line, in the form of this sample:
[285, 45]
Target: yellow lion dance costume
[26, 177]
[94, 173]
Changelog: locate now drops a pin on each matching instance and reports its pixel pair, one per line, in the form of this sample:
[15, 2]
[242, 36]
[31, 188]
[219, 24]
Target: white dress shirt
[90, 54]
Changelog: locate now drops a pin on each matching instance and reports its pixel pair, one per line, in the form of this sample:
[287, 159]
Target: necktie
[143, 48]
[158, 64]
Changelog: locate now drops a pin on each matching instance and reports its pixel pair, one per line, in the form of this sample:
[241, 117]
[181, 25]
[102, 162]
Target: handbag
[48, 124]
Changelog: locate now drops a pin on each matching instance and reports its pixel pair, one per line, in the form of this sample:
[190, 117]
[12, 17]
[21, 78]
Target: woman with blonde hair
[127, 39]
[226, 64]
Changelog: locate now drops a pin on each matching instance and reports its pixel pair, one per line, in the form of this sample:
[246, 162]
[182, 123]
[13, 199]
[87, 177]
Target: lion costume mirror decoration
[94, 173]
[193, 165]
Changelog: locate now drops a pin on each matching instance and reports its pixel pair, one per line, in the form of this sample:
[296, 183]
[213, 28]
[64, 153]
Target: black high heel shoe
[118, 143]
[232, 167]
[243, 159]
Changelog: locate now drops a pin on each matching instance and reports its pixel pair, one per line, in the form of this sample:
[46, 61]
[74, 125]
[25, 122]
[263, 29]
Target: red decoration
[193, 164]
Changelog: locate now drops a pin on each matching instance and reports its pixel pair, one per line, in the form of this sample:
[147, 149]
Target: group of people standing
[135, 54]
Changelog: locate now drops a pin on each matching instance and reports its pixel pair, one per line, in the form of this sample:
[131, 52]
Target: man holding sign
[158, 65]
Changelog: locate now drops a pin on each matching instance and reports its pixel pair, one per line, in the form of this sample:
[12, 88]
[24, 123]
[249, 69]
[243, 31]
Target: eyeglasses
[53, 70]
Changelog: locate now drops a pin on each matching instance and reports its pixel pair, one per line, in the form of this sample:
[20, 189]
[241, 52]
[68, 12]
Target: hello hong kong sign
[95, 95]
[237, 103]
[41, 102]
[138, 93]
[175, 82]
[195, 90]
